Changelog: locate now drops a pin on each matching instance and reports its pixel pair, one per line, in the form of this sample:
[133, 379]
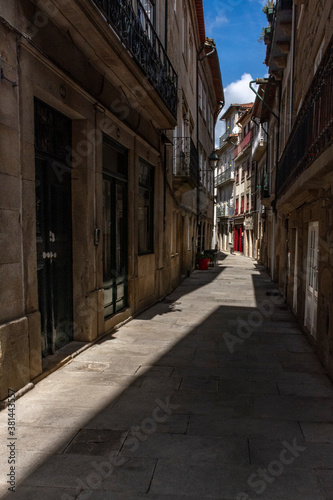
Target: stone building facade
[91, 207]
[297, 240]
[243, 225]
[224, 180]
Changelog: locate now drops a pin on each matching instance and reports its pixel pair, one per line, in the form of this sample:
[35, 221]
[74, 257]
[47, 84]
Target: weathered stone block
[11, 294]
[14, 356]
[35, 342]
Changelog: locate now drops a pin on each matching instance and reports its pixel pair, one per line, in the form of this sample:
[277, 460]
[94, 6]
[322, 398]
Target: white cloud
[236, 92]
[216, 23]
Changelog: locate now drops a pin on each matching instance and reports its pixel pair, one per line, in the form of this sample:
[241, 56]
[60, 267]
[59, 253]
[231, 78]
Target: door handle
[49, 255]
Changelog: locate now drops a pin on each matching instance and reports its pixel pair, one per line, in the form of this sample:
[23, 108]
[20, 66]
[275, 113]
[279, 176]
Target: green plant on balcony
[268, 9]
[266, 35]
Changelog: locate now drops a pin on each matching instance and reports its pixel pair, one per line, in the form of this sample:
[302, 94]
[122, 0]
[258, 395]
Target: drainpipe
[292, 52]
[277, 116]
[166, 26]
[203, 46]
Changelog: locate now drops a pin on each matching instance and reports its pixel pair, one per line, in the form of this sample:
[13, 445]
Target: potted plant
[203, 261]
[268, 9]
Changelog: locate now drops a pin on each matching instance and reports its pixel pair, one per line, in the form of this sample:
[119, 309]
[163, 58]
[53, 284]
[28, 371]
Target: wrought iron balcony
[244, 143]
[224, 136]
[140, 38]
[264, 186]
[259, 142]
[185, 165]
[313, 130]
[227, 175]
[224, 210]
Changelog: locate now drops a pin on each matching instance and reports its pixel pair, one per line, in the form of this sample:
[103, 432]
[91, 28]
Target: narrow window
[146, 208]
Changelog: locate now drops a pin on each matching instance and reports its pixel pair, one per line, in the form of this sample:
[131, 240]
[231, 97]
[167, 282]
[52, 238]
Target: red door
[236, 240]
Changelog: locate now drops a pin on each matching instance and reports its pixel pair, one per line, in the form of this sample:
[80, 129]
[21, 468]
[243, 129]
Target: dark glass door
[53, 231]
[115, 244]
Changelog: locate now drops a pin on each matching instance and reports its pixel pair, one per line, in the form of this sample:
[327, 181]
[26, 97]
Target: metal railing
[259, 141]
[225, 136]
[313, 129]
[140, 38]
[186, 163]
[242, 145]
[224, 211]
[264, 188]
[227, 175]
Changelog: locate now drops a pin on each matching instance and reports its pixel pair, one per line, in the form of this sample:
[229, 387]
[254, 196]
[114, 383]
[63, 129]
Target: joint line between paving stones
[299, 424]
[70, 442]
[123, 444]
[249, 450]
[152, 476]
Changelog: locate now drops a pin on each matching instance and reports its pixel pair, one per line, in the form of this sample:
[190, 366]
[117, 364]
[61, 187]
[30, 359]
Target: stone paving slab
[210, 479]
[162, 408]
[230, 450]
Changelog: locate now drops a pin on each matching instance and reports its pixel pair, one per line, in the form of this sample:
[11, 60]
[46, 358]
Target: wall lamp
[213, 159]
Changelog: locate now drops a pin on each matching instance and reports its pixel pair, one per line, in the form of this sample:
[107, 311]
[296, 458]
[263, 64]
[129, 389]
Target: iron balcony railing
[242, 145]
[259, 141]
[138, 34]
[186, 163]
[264, 188]
[313, 130]
[224, 136]
[227, 175]
[224, 211]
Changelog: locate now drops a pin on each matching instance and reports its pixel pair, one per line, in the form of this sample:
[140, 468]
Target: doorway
[115, 227]
[311, 300]
[53, 226]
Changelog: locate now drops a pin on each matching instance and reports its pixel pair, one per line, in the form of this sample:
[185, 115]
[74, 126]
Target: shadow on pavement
[188, 404]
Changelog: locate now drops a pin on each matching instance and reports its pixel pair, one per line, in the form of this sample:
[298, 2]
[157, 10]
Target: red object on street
[203, 264]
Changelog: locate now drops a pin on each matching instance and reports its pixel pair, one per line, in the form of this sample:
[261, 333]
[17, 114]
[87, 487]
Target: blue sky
[235, 26]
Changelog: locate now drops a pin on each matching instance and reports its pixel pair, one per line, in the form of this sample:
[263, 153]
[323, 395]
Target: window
[237, 205]
[174, 234]
[242, 205]
[200, 93]
[204, 104]
[184, 33]
[146, 14]
[243, 172]
[247, 202]
[200, 165]
[146, 208]
[319, 56]
[205, 172]
[237, 175]
[248, 168]
[189, 225]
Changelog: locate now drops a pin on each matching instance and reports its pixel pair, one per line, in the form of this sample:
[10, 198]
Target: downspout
[164, 189]
[216, 114]
[277, 116]
[203, 46]
[292, 50]
[166, 26]
[290, 124]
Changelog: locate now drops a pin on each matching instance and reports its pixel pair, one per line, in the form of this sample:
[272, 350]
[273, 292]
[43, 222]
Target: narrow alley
[213, 393]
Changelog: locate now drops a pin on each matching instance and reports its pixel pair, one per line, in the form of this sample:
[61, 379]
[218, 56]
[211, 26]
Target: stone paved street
[213, 393]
